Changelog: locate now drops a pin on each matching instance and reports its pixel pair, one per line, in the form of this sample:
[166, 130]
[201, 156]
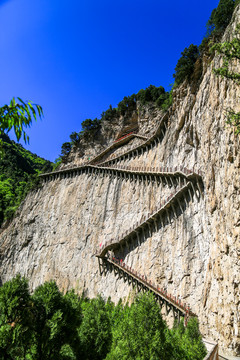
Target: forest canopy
[50, 325]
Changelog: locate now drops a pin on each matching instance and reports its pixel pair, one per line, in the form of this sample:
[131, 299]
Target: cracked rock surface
[194, 255]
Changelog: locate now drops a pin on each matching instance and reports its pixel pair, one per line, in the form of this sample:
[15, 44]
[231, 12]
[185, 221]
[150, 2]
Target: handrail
[132, 132]
[182, 307]
[165, 171]
[212, 349]
[128, 130]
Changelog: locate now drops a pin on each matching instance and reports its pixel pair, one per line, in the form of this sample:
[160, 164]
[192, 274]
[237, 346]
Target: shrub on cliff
[185, 64]
[127, 104]
[220, 17]
[158, 95]
[109, 114]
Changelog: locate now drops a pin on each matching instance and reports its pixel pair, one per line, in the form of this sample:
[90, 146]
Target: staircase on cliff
[187, 185]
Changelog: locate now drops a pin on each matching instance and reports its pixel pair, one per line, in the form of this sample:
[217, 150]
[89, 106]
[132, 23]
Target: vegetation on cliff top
[19, 169]
[90, 127]
[188, 68]
[48, 325]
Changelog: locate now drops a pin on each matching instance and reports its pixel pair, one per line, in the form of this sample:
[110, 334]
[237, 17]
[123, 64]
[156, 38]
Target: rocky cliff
[191, 250]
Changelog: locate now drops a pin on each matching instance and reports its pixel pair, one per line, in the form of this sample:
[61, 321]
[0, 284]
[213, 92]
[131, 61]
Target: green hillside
[18, 175]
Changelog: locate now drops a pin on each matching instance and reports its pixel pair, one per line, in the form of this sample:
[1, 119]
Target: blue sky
[77, 57]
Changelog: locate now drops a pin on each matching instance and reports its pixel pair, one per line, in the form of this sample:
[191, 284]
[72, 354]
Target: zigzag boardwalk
[185, 178]
[171, 303]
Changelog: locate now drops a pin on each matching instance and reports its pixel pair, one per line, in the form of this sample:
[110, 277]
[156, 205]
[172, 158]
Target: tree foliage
[49, 325]
[19, 169]
[56, 320]
[15, 319]
[140, 333]
[109, 114]
[90, 128]
[66, 148]
[158, 95]
[95, 331]
[185, 64]
[220, 17]
[186, 342]
[128, 104]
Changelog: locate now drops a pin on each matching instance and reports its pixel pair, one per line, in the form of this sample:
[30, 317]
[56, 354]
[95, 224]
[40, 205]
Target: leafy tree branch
[17, 116]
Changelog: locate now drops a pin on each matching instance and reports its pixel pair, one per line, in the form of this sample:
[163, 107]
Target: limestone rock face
[194, 255]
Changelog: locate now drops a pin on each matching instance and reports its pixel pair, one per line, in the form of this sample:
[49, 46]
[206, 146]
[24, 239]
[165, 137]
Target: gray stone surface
[58, 228]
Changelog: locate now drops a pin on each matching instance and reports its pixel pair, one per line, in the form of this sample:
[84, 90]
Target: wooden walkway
[126, 171]
[185, 182]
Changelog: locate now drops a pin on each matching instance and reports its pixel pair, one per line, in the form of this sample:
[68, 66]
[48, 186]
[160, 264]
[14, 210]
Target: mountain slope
[19, 169]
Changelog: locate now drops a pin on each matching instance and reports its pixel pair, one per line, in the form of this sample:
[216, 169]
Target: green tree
[185, 64]
[90, 125]
[56, 320]
[220, 17]
[191, 341]
[17, 116]
[95, 330]
[152, 94]
[66, 148]
[75, 137]
[140, 333]
[15, 319]
[109, 114]
[127, 104]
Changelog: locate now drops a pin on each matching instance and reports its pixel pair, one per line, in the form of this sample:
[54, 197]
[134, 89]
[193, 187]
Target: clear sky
[77, 57]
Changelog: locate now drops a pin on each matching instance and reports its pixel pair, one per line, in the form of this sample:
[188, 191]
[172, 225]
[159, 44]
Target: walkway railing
[164, 171]
[212, 349]
[132, 132]
[173, 301]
